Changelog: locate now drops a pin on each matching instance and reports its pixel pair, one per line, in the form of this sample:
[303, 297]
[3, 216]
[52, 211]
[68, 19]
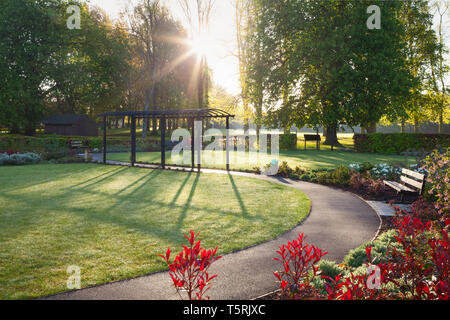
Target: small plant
[189, 270]
[297, 257]
[284, 170]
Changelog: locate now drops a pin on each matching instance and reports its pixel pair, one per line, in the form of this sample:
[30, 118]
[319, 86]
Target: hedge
[60, 145]
[396, 143]
[288, 141]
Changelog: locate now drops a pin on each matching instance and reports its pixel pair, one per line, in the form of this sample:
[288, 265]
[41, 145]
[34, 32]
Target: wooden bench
[77, 145]
[412, 183]
[313, 137]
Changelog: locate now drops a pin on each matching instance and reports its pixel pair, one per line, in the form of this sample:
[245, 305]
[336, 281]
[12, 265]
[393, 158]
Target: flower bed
[12, 158]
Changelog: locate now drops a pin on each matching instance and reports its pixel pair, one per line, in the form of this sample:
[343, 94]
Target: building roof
[65, 119]
[193, 113]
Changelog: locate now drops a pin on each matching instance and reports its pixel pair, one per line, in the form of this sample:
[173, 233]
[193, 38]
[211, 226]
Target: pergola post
[163, 142]
[133, 140]
[227, 143]
[199, 151]
[193, 143]
[104, 140]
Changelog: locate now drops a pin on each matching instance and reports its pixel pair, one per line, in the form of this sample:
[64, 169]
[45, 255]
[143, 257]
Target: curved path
[339, 221]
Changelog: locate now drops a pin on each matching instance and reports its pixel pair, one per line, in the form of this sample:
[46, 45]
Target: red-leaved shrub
[9, 152]
[296, 258]
[364, 183]
[189, 270]
[419, 271]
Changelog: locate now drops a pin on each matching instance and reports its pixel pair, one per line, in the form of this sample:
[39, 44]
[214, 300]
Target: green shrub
[396, 143]
[70, 159]
[305, 177]
[329, 268]
[357, 257]
[288, 141]
[284, 170]
[338, 177]
[19, 159]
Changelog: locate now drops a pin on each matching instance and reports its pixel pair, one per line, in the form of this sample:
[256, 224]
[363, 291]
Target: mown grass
[113, 221]
[242, 161]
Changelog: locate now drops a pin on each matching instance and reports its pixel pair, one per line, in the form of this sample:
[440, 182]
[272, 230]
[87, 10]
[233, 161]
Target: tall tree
[161, 56]
[50, 68]
[421, 47]
[198, 14]
[439, 68]
[326, 67]
[30, 33]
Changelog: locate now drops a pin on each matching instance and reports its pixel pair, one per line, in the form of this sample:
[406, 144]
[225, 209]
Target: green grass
[304, 159]
[113, 221]
[345, 139]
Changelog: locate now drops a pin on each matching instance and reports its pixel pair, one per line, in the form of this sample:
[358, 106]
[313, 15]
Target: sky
[221, 36]
[220, 51]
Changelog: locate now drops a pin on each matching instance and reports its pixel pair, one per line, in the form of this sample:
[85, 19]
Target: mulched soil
[387, 224]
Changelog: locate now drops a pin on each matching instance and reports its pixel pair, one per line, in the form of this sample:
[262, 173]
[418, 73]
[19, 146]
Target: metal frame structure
[164, 115]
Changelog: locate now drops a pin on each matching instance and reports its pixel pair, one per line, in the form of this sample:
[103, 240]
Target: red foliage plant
[366, 184]
[297, 257]
[420, 270]
[189, 270]
[9, 152]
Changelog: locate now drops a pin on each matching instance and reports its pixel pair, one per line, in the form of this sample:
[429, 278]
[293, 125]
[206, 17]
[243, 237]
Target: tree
[323, 70]
[89, 71]
[161, 59]
[439, 68]
[198, 14]
[31, 35]
[421, 48]
[50, 68]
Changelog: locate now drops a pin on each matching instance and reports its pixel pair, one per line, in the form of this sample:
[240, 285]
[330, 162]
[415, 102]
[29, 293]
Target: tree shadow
[93, 181]
[187, 205]
[180, 190]
[238, 196]
[131, 185]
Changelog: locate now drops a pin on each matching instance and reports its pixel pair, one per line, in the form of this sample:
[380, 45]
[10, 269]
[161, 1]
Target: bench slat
[412, 182]
[310, 137]
[413, 174]
[399, 187]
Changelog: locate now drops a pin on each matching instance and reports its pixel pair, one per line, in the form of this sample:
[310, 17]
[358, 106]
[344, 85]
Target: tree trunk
[441, 123]
[372, 128]
[30, 130]
[416, 126]
[403, 126]
[331, 136]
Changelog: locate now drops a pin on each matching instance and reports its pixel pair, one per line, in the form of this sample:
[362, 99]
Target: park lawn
[240, 161]
[113, 221]
[345, 139]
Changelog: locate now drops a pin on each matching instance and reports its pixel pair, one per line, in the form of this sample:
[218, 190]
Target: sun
[202, 46]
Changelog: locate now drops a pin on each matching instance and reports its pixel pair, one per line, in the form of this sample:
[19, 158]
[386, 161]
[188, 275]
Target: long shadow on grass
[113, 214]
[105, 175]
[108, 176]
[187, 205]
[238, 196]
[180, 189]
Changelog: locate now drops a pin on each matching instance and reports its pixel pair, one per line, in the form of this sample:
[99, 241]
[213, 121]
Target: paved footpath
[339, 221]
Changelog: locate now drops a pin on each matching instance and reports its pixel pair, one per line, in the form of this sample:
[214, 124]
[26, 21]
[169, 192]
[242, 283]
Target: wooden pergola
[164, 115]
